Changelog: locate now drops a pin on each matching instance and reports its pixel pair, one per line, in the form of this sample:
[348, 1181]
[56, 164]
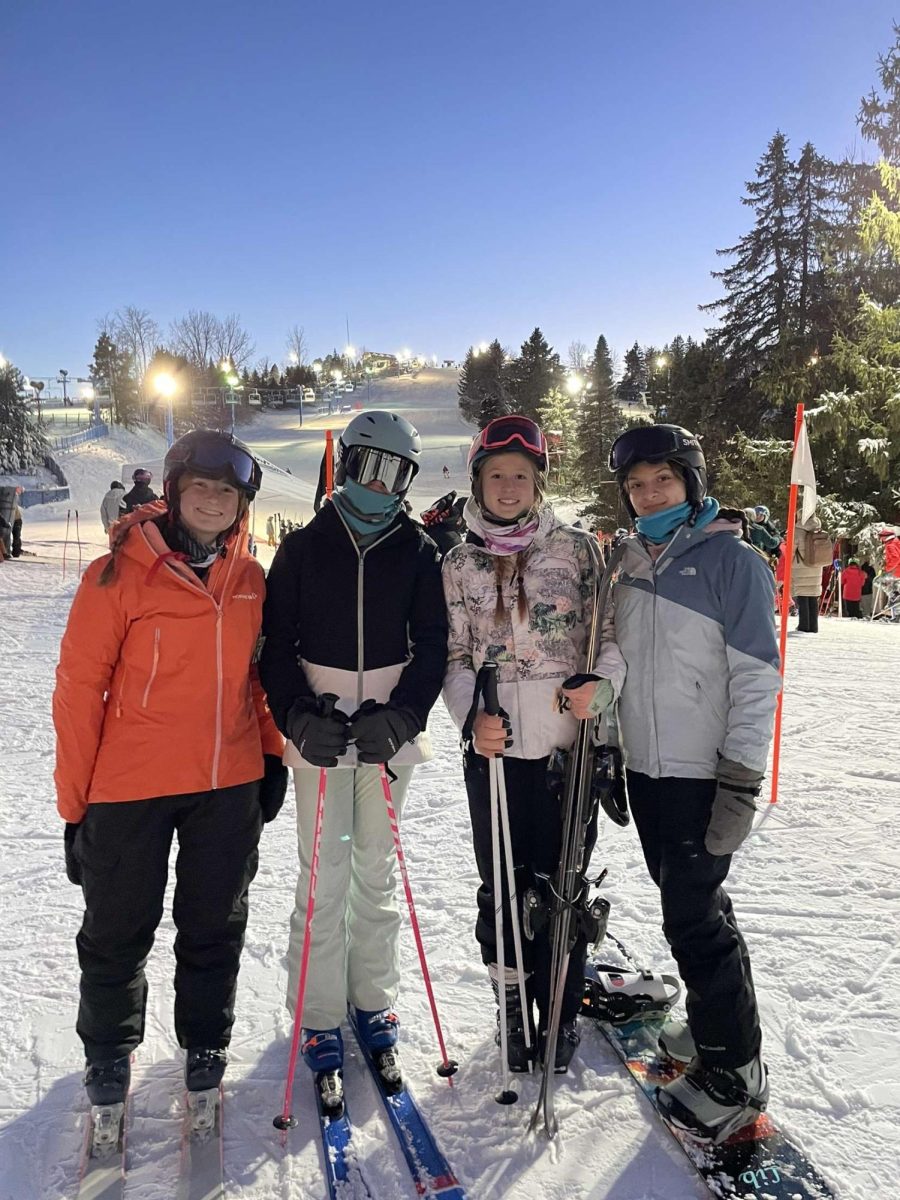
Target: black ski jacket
[140, 494]
[363, 624]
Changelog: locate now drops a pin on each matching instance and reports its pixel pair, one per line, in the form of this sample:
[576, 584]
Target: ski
[202, 1174]
[430, 1171]
[758, 1160]
[343, 1176]
[102, 1175]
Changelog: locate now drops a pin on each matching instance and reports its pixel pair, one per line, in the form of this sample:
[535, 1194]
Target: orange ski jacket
[156, 694]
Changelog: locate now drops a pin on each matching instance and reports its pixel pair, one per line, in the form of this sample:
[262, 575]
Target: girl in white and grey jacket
[519, 592]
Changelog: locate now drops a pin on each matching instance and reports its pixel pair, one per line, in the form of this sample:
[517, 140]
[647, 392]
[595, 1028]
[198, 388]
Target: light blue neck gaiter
[658, 527]
[365, 511]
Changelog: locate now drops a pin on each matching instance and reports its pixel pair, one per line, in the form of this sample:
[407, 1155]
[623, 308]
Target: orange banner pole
[329, 463]
[785, 608]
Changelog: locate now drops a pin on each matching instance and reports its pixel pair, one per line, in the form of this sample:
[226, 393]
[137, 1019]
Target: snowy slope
[816, 891]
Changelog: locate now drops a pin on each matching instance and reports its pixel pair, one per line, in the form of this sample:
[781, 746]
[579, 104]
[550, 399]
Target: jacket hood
[137, 536]
[685, 537]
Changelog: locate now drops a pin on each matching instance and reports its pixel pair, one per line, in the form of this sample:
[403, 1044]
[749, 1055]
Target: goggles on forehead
[506, 431]
[648, 444]
[216, 455]
[367, 464]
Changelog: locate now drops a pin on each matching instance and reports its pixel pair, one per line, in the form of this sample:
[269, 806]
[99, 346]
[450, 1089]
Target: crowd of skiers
[189, 683]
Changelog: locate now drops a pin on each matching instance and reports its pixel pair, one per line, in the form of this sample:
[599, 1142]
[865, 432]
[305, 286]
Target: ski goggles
[505, 431]
[219, 456]
[649, 443]
[367, 464]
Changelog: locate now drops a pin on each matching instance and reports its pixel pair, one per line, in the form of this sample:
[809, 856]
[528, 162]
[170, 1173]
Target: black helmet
[141, 475]
[215, 455]
[660, 443]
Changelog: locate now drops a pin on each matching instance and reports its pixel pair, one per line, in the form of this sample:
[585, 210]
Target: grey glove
[734, 806]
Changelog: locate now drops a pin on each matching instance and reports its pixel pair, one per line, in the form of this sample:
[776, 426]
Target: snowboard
[758, 1162]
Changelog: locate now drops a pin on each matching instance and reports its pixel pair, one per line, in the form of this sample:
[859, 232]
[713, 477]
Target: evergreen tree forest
[808, 310]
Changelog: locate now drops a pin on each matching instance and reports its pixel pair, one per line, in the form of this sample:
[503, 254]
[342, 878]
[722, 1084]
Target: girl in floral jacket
[519, 592]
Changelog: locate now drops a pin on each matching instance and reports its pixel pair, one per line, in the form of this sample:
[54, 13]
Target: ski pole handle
[327, 701]
[491, 703]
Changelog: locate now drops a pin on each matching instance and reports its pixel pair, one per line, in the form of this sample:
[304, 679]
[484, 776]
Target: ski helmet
[141, 475]
[511, 433]
[655, 444]
[214, 455]
[380, 446]
[762, 513]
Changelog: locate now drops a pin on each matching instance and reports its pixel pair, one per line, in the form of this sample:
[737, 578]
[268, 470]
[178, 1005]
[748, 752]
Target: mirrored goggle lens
[506, 430]
[369, 466]
[216, 456]
[636, 445]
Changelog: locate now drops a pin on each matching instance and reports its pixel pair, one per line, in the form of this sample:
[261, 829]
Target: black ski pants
[671, 816]
[808, 613]
[123, 850]
[535, 821]
[852, 609]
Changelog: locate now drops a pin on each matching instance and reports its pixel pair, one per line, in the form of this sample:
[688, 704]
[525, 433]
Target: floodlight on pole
[165, 386]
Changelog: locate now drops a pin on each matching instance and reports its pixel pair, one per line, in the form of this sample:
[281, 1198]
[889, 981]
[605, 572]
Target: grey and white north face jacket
[697, 632]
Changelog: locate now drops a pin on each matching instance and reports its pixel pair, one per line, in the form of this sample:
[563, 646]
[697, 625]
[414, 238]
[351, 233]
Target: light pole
[368, 384]
[63, 376]
[662, 362]
[165, 386]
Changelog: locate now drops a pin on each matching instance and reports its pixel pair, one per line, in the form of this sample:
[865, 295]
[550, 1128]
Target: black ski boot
[107, 1082]
[567, 1042]
[204, 1068]
[519, 1056]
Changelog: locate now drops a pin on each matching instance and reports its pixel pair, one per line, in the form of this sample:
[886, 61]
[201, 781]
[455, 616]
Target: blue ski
[431, 1173]
[342, 1171]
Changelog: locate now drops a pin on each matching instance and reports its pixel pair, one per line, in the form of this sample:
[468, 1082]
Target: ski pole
[66, 542]
[78, 539]
[286, 1119]
[447, 1066]
[500, 818]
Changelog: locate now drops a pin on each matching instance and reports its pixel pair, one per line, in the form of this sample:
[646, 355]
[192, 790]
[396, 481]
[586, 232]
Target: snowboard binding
[619, 997]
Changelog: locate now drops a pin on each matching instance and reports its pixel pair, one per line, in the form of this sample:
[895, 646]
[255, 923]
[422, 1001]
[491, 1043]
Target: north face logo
[688, 571]
[245, 596]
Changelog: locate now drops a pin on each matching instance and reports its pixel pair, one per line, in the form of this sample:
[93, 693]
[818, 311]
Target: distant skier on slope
[519, 591]
[355, 610]
[141, 491]
[162, 726]
[694, 620]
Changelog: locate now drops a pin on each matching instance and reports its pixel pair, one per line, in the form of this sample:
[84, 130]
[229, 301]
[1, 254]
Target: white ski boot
[710, 1103]
[677, 1041]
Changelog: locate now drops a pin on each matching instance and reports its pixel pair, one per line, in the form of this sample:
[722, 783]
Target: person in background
[444, 522]
[759, 533]
[112, 506]
[17, 525]
[141, 492]
[853, 580]
[866, 598]
[764, 518]
[270, 530]
[162, 728]
[806, 579]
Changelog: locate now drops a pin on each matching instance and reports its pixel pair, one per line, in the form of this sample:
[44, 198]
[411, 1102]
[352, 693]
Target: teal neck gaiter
[658, 527]
[365, 511]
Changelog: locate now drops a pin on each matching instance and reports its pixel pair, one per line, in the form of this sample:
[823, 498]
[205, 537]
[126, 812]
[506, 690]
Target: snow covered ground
[816, 891]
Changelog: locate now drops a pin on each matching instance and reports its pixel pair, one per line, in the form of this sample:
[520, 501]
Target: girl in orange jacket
[162, 726]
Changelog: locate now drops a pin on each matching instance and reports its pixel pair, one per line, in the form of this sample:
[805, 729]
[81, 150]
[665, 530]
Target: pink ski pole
[286, 1119]
[78, 538]
[447, 1066]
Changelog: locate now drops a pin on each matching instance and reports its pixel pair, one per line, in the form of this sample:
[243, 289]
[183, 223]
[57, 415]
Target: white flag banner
[803, 472]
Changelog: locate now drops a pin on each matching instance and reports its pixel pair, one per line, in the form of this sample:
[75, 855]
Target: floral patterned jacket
[535, 653]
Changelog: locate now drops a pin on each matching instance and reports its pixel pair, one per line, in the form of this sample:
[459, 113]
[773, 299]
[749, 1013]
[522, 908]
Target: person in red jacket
[853, 578]
[162, 727]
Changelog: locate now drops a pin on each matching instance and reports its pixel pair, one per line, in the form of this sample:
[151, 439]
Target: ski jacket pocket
[153, 669]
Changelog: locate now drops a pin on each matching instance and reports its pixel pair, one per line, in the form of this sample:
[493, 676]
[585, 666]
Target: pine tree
[534, 375]
[632, 387]
[113, 375]
[484, 385]
[600, 421]
[22, 445]
[556, 416]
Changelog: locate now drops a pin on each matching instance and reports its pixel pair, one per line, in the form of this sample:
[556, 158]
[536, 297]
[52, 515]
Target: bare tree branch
[232, 341]
[194, 337]
[134, 331]
[298, 350]
[578, 354]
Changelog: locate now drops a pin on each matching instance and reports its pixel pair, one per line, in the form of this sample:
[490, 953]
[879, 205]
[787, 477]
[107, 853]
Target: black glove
[379, 730]
[73, 866]
[734, 806]
[319, 730]
[272, 787]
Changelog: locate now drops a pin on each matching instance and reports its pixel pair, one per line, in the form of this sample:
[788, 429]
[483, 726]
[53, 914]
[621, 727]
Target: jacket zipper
[121, 692]
[153, 668]
[219, 689]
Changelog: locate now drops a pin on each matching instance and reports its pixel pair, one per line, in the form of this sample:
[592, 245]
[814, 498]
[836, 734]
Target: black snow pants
[124, 853]
[535, 820]
[671, 816]
[807, 614]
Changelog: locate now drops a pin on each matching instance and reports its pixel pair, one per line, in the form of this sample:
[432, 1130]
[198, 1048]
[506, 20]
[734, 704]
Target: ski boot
[204, 1068]
[520, 1054]
[106, 1082]
[323, 1053]
[677, 1042]
[567, 1042]
[710, 1103]
[379, 1029]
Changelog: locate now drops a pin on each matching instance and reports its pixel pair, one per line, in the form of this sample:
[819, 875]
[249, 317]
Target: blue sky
[436, 174]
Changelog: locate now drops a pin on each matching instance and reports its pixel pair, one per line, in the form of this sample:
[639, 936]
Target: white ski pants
[354, 953]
